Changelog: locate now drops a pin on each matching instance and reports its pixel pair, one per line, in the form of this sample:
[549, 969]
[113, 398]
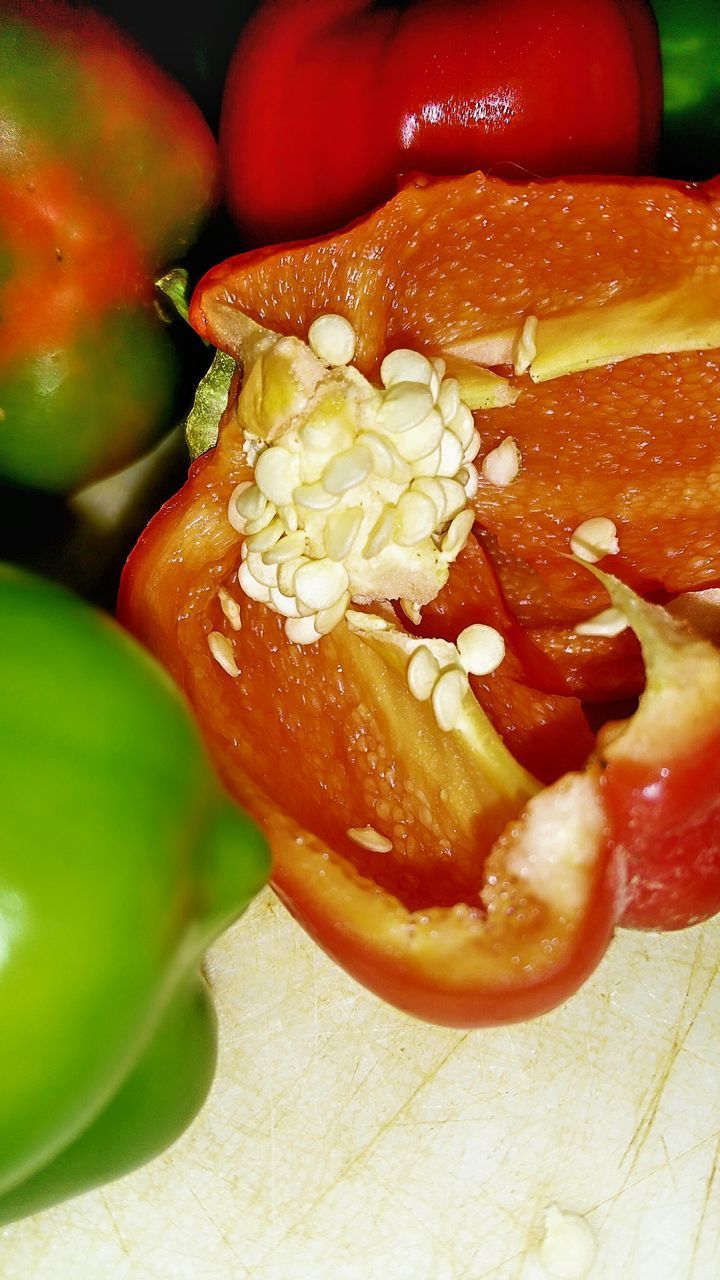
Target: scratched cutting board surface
[345, 1141]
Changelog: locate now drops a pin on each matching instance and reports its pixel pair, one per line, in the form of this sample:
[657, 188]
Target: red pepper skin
[667, 823]
[661, 778]
[328, 101]
[660, 781]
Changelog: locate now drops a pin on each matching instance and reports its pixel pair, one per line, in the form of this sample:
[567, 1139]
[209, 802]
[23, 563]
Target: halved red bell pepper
[311, 741]
[479, 897]
[328, 101]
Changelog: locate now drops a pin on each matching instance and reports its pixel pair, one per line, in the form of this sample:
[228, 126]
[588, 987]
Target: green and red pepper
[107, 170]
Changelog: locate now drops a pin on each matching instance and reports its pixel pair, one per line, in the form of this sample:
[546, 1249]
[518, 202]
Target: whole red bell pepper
[328, 101]
[107, 170]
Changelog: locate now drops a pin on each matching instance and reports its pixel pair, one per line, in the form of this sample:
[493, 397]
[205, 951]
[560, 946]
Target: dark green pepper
[107, 169]
[690, 44]
[121, 859]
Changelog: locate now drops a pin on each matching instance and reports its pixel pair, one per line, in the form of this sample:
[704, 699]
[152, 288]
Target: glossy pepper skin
[121, 859]
[327, 102]
[690, 40]
[107, 170]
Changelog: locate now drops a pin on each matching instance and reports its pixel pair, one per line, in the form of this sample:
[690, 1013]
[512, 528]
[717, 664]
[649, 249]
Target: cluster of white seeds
[368, 502]
[365, 496]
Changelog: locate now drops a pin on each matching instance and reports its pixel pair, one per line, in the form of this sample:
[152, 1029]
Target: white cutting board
[345, 1141]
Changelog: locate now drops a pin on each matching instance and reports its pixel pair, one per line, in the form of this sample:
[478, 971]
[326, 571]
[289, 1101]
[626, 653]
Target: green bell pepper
[107, 170]
[121, 859]
[690, 45]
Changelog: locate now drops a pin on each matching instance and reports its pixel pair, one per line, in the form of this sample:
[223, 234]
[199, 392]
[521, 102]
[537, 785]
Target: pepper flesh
[122, 859]
[352, 94]
[98, 188]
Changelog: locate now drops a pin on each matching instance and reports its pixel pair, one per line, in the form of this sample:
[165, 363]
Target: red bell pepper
[328, 101]
[414, 847]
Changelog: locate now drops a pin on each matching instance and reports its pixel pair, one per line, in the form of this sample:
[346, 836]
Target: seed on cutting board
[222, 652]
[569, 1247]
[502, 465]
[481, 649]
[369, 838]
[333, 339]
[230, 608]
[447, 698]
[423, 670]
[610, 622]
[594, 539]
